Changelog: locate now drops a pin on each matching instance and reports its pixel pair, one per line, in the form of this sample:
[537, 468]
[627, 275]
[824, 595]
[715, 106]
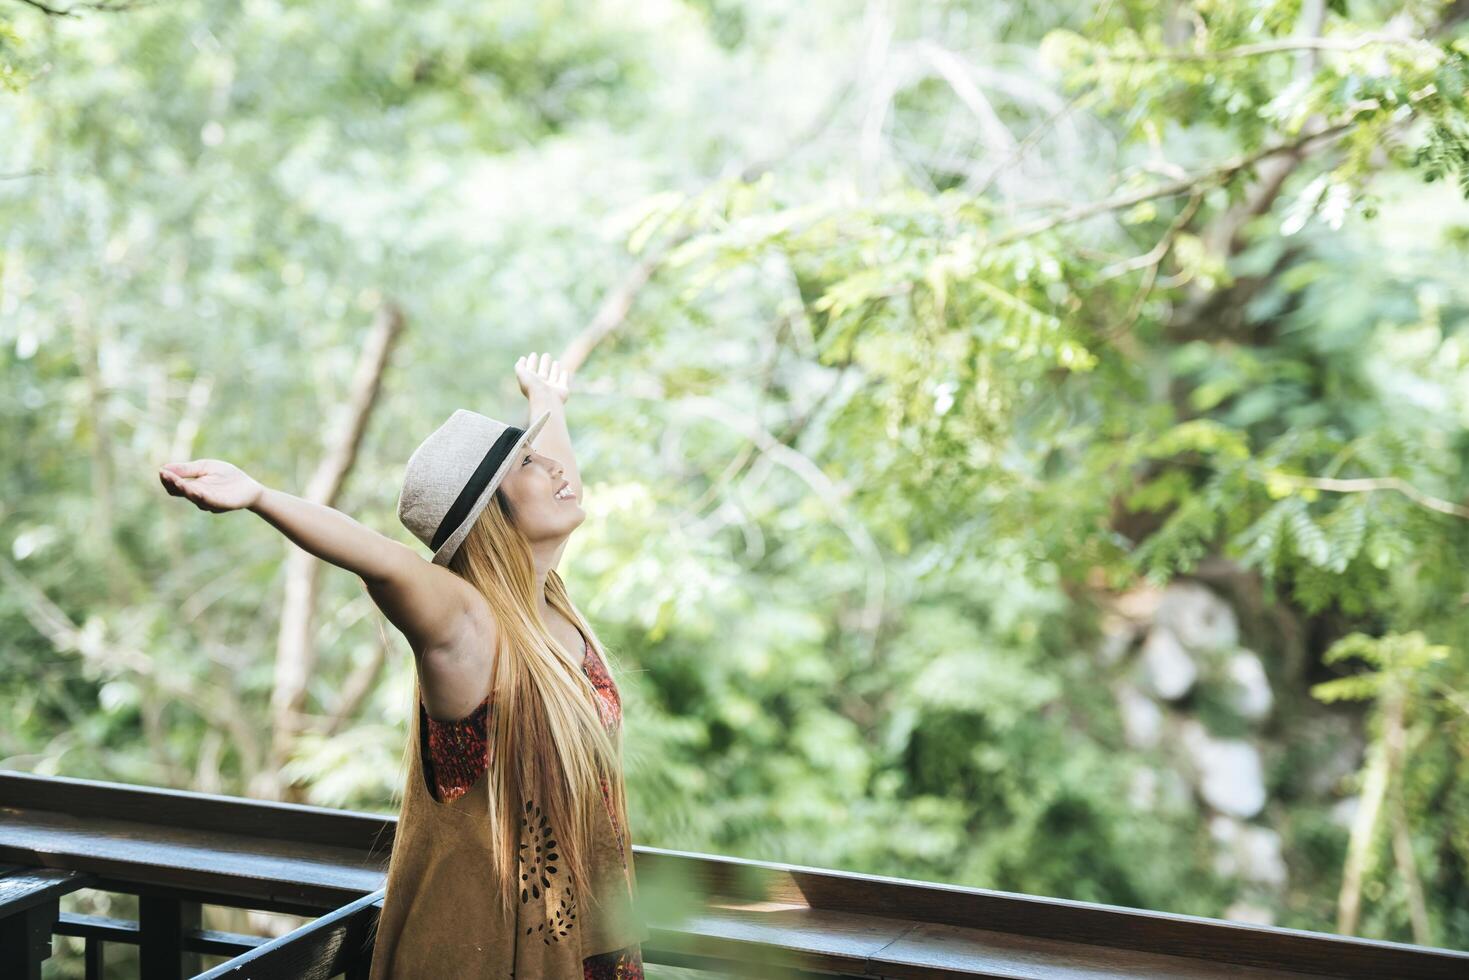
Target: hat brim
[453, 541]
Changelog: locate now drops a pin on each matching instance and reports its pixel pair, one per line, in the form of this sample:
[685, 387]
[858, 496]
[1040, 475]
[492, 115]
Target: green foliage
[1392, 655]
[9, 57]
[1445, 153]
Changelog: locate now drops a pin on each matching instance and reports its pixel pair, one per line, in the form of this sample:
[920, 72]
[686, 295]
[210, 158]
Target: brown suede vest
[440, 918]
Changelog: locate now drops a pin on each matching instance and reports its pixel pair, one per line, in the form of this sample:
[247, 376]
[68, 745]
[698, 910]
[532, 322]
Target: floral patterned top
[458, 756]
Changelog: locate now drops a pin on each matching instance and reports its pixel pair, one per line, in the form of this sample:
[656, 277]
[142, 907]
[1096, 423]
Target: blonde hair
[547, 743]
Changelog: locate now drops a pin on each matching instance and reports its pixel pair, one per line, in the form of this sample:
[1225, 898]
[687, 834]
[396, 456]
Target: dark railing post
[30, 906]
[93, 957]
[25, 940]
[162, 923]
[336, 944]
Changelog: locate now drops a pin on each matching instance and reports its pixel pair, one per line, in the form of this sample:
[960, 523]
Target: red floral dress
[457, 751]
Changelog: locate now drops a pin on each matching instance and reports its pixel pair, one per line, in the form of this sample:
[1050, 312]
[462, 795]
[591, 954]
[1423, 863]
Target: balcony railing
[177, 851]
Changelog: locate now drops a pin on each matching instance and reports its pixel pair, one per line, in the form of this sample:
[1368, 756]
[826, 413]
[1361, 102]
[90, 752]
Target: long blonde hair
[547, 743]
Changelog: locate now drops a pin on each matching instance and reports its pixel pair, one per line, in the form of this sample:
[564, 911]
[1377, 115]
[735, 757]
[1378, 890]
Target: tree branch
[615, 306]
[1151, 262]
[295, 657]
[1190, 184]
[1373, 791]
[1284, 45]
[1367, 485]
[100, 6]
[1402, 840]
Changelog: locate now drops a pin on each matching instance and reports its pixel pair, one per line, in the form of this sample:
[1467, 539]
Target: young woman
[511, 858]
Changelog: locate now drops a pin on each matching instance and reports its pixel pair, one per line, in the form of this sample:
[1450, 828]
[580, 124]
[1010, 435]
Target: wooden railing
[177, 851]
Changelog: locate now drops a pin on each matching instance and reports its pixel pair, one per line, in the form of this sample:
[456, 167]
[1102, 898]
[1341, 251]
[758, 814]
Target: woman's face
[531, 487]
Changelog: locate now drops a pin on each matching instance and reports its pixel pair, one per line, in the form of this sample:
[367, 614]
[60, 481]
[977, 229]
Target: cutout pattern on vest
[537, 865]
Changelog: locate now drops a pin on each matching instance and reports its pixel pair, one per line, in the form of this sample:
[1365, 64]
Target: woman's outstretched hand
[212, 484]
[542, 374]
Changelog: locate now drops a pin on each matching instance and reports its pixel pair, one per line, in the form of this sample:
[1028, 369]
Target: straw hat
[452, 474]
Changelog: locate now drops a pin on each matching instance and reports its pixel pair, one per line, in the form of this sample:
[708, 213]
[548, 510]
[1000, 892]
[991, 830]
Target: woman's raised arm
[422, 599]
[546, 386]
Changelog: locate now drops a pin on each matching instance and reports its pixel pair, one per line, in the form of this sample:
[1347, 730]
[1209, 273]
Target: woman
[511, 858]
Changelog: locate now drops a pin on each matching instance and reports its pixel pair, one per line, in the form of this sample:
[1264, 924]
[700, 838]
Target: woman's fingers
[176, 480]
[544, 366]
[177, 485]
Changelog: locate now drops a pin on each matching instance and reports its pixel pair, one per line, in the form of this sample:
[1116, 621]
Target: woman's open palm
[543, 374]
[212, 484]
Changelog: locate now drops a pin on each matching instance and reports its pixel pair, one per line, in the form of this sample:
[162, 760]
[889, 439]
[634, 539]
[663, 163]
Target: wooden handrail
[702, 910]
[333, 944]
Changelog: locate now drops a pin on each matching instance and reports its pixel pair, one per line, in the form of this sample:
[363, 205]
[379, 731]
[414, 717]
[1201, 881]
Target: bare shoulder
[454, 675]
[428, 603]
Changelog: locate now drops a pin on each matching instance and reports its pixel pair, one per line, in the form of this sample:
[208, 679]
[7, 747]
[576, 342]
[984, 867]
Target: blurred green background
[1026, 445]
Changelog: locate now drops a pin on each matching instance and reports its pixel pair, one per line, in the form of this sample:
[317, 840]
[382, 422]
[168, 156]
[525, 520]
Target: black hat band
[480, 479]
